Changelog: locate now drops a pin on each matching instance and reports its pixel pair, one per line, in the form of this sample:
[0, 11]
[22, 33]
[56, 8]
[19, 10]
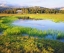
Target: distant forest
[31, 10]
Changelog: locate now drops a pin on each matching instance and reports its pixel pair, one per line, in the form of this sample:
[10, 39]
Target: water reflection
[40, 24]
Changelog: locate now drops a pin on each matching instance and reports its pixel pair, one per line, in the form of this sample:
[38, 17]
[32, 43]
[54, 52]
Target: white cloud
[2, 2]
[44, 3]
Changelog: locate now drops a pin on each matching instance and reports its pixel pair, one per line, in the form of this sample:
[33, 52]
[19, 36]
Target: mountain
[59, 8]
[10, 6]
[4, 7]
[13, 6]
[62, 8]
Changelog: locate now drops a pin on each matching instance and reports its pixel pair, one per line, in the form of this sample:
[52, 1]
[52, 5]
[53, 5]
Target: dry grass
[54, 17]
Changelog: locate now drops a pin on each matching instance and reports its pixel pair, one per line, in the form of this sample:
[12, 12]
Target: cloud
[30, 2]
[2, 2]
[44, 3]
[34, 1]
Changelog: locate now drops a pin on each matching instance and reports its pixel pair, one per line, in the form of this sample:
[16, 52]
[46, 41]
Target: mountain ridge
[8, 6]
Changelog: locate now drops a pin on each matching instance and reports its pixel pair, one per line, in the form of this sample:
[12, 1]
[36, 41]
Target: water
[1, 33]
[53, 38]
[40, 24]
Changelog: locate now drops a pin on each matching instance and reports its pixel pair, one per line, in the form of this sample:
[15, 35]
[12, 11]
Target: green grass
[13, 41]
[8, 29]
[32, 32]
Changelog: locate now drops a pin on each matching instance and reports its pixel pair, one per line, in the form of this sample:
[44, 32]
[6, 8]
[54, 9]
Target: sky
[43, 3]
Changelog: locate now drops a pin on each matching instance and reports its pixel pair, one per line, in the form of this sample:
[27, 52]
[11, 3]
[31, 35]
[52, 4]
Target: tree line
[33, 10]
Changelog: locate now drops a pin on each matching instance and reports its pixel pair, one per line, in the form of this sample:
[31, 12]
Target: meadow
[38, 16]
[16, 39]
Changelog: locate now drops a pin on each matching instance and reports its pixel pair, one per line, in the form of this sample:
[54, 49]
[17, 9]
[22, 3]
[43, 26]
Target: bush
[23, 17]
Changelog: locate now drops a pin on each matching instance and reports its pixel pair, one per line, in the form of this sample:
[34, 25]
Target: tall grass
[13, 41]
[32, 32]
[8, 29]
[5, 22]
[25, 44]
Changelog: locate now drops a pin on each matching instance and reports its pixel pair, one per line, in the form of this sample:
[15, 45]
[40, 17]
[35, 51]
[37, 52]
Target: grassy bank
[16, 39]
[8, 29]
[54, 17]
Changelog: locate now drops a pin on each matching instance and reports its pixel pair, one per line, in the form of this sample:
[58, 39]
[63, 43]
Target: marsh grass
[25, 44]
[5, 22]
[33, 32]
[54, 17]
[60, 35]
[12, 41]
[8, 29]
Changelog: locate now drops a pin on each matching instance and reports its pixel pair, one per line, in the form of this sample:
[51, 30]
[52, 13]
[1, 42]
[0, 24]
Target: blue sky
[43, 3]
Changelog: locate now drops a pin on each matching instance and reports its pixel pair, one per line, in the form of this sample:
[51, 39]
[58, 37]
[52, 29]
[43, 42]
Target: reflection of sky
[44, 3]
[40, 24]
